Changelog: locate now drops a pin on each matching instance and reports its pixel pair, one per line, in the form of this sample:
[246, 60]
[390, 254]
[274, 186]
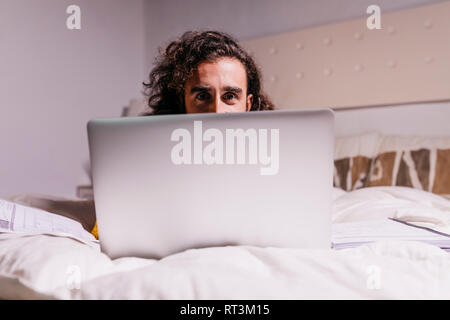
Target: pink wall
[52, 81]
[250, 19]
[348, 65]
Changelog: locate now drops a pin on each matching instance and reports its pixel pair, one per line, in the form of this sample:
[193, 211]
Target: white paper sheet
[352, 234]
[16, 218]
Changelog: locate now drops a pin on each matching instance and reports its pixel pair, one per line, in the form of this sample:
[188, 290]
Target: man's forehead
[228, 71]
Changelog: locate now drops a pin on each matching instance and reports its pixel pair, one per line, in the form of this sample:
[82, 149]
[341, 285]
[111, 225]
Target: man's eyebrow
[233, 89]
[236, 90]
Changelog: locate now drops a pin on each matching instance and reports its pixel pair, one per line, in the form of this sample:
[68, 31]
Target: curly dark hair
[175, 65]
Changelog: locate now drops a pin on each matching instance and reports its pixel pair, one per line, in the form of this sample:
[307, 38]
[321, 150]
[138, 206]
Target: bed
[38, 266]
[392, 161]
[55, 266]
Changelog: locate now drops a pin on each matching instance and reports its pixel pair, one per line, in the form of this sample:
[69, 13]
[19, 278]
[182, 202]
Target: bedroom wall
[53, 80]
[348, 65]
[250, 19]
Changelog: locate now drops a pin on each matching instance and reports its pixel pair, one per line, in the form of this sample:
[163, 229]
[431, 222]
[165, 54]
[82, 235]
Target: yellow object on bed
[94, 231]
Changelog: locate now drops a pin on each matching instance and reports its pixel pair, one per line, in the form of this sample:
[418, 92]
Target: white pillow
[413, 161]
[366, 145]
[353, 158]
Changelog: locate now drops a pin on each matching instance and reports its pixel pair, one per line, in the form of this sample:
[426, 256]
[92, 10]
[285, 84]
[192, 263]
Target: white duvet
[49, 267]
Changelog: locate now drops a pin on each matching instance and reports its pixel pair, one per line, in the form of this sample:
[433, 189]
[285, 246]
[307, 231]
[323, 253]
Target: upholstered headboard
[347, 65]
[421, 119]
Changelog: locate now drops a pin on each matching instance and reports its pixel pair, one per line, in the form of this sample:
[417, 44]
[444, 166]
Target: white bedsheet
[44, 266]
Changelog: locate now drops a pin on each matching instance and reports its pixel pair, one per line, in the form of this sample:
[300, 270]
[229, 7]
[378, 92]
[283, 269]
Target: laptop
[164, 184]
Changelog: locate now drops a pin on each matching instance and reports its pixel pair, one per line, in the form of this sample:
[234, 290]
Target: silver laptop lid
[167, 183]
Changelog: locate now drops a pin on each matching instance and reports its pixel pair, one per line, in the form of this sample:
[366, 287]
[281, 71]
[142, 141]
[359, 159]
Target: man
[200, 72]
[205, 72]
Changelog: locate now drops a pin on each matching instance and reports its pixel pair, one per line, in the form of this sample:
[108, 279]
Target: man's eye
[229, 96]
[203, 96]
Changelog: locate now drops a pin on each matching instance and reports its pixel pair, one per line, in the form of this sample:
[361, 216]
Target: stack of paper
[352, 234]
[16, 218]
